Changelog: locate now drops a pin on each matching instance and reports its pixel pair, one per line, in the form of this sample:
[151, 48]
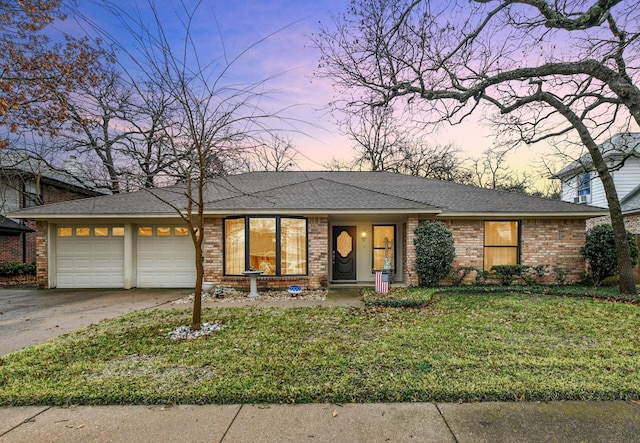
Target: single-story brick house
[308, 228]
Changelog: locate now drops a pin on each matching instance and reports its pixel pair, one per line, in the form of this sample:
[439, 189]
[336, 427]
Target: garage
[165, 257]
[90, 257]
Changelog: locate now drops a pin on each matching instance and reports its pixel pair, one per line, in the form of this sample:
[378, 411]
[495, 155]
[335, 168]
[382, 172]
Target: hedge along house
[307, 228]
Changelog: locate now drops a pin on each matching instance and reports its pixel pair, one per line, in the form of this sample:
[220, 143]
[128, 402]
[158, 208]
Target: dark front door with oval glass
[344, 253]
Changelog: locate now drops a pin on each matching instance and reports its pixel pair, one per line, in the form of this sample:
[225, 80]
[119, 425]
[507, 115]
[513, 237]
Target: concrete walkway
[616, 421]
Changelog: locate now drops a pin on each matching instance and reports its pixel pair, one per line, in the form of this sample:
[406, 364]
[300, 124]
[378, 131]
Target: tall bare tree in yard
[547, 71]
[210, 125]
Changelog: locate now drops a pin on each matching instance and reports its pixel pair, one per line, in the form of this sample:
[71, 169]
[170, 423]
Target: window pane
[584, 183]
[101, 232]
[262, 244]
[117, 231]
[500, 256]
[378, 259]
[145, 232]
[501, 233]
[65, 232]
[293, 242]
[180, 232]
[163, 232]
[83, 232]
[380, 233]
[234, 246]
[383, 235]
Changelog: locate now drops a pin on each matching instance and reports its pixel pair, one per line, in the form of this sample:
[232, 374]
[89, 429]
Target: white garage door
[90, 257]
[165, 258]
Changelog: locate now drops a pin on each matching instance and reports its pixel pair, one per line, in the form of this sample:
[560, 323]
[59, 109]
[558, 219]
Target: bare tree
[377, 139]
[96, 124]
[383, 143]
[548, 70]
[336, 164]
[440, 162]
[277, 153]
[211, 124]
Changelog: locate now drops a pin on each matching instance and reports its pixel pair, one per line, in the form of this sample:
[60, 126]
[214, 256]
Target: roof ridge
[384, 193]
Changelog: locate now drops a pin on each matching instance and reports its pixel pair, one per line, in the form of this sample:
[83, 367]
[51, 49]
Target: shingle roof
[23, 163]
[631, 202]
[618, 146]
[320, 191]
[8, 226]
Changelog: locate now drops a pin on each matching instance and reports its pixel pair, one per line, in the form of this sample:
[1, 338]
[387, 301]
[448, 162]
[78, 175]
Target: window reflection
[101, 232]
[383, 244]
[293, 239]
[274, 245]
[234, 246]
[262, 244]
[501, 243]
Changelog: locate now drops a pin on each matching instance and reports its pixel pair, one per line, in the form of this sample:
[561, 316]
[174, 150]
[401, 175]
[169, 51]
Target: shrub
[532, 275]
[559, 274]
[599, 251]
[459, 273]
[11, 269]
[507, 273]
[434, 252]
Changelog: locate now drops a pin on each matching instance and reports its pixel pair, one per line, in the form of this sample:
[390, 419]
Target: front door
[344, 253]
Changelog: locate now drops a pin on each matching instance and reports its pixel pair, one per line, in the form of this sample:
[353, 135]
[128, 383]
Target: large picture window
[274, 245]
[384, 244]
[501, 243]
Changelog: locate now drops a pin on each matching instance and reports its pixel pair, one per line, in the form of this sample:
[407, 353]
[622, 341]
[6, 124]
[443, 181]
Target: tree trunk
[196, 313]
[625, 267]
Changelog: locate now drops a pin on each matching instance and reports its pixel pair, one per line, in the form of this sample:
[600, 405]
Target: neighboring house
[305, 228]
[27, 182]
[581, 183]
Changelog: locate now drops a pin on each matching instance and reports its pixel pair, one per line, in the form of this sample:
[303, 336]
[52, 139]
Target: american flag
[381, 286]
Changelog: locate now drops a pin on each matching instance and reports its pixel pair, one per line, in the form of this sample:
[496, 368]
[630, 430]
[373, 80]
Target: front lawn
[465, 347]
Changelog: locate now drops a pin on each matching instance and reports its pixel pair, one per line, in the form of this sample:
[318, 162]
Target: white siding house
[581, 184]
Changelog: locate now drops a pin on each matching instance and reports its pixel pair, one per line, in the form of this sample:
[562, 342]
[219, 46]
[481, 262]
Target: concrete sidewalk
[615, 421]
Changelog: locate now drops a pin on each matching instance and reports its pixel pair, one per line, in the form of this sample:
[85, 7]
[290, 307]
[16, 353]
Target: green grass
[465, 347]
[409, 297]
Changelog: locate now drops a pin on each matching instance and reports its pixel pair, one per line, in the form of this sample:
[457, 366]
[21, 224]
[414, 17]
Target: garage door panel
[165, 261]
[90, 262]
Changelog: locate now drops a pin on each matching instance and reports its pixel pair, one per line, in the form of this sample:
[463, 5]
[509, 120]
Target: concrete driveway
[30, 316]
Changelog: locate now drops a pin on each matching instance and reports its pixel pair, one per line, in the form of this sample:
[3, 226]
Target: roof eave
[524, 215]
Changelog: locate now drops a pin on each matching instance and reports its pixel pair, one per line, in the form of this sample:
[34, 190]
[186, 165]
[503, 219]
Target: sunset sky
[288, 55]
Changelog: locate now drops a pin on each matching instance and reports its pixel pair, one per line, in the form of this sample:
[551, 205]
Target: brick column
[318, 265]
[409, 274]
[212, 250]
[42, 254]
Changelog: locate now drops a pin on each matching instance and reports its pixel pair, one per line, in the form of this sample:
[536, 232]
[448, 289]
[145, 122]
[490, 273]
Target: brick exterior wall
[318, 259]
[12, 245]
[212, 250]
[543, 242]
[631, 222]
[554, 243]
[42, 260]
[409, 275]
[11, 248]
